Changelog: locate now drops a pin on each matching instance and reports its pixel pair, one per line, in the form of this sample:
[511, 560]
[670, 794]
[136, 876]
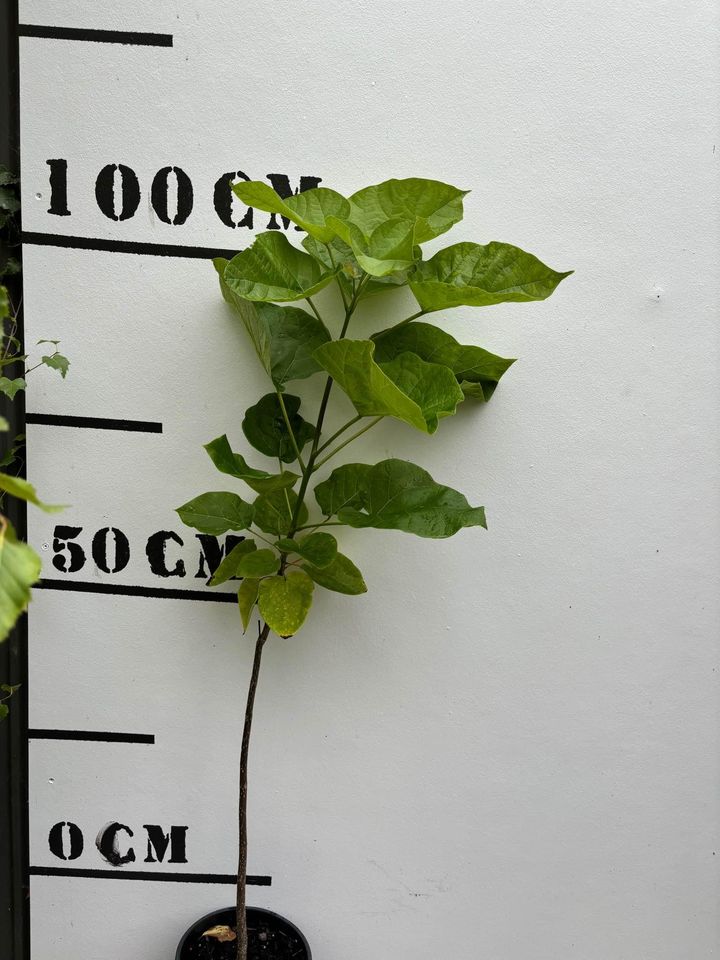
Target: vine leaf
[265, 428]
[432, 207]
[340, 575]
[475, 275]
[234, 464]
[19, 570]
[476, 370]
[216, 512]
[229, 565]
[272, 269]
[389, 248]
[284, 602]
[284, 337]
[274, 512]
[408, 388]
[247, 598]
[309, 209]
[11, 387]
[57, 362]
[399, 495]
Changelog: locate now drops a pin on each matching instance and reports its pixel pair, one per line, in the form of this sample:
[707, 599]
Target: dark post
[14, 914]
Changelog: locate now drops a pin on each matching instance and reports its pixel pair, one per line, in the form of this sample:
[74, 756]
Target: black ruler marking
[125, 246]
[98, 735]
[251, 880]
[127, 590]
[135, 38]
[94, 423]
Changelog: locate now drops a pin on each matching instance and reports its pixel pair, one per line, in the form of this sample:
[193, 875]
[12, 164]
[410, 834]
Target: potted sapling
[293, 515]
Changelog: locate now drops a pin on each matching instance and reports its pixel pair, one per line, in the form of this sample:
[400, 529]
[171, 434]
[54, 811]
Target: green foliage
[235, 465]
[19, 570]
[367, 244]
[216, 513]
[273, 270]
[398, 495]
[476, 370]
[340, 575]
[274, 427]
[477, 276]
[284, 601]
[408, 387]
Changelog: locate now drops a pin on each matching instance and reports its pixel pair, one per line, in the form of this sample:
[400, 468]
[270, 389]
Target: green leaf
[476, 370]
[9, 457]
[408, 388]
[389, 248]
[309, 209]
[234, 464]
[345, 487]
[247, 598]
[274, 512]
[318, 548]
[8, 200]
[477, 276]
[398, 495]
[261, 563]
[11, 387]
[7, 176]
[433, 207]
[284, 602]
[272, 269]
[58, 362]
[284, 337]
[265, 428]
[19, 570]
[4, 711]
[10, 688]
[229, 565]
[341, 575]
[23, 490]
[216, 512]
[4, 303]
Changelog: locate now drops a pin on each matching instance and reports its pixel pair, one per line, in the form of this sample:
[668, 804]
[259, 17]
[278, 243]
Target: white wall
[509, 747]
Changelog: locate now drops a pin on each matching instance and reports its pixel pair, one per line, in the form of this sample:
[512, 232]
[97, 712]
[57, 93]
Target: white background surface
[508, 748]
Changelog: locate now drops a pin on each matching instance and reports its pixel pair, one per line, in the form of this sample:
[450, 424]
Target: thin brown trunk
[241, 919]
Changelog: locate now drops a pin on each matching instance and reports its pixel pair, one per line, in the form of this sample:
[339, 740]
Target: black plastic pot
[268, 935]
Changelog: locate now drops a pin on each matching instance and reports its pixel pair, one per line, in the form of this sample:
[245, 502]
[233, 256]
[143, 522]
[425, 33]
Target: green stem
[350, 439]
[338, 432]
[286, 418]
[314, 309]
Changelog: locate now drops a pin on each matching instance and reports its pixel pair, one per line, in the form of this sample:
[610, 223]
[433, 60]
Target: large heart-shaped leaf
[284, 337]
[265, 428]
[340, 575]
[408, 388]
[284, 602]
[477, 276]
[274, 512]
[309, 209]
[272, 269]
[433, 207]
[398, 495]
[235, 465]
[476, 370]
[19, 570]
[345, 487]
[216, 512]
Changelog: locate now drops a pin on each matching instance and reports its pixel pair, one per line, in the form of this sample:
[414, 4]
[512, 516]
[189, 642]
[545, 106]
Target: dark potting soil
[265, 942]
